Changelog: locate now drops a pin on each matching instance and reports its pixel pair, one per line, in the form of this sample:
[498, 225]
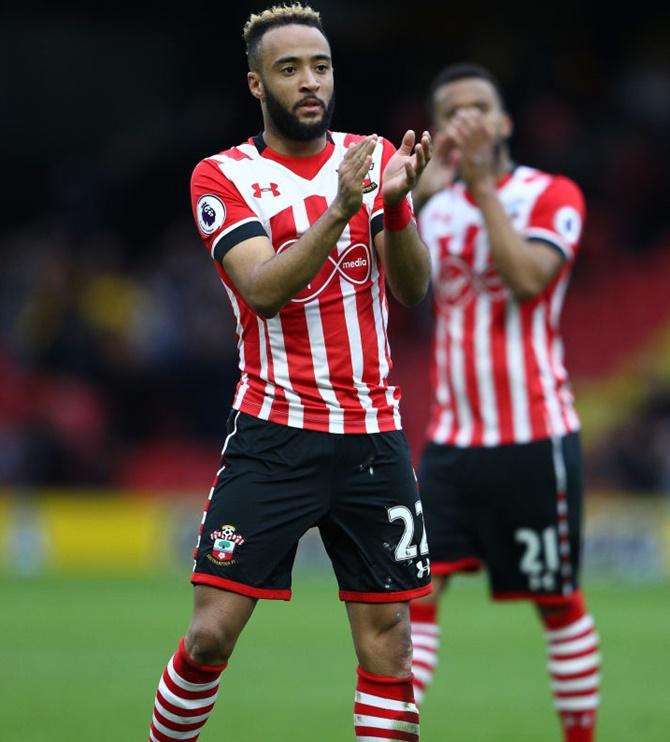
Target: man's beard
[290, 126]
[499, 152]
[499, 156]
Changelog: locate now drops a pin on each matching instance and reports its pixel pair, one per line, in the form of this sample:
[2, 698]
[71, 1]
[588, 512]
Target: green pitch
[80, 659]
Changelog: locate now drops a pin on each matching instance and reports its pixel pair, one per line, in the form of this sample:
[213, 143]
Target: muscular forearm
[277, 280]
[407, 264]
[516, 263]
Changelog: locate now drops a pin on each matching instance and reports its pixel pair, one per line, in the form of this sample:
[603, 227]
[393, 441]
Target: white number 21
[532, 562]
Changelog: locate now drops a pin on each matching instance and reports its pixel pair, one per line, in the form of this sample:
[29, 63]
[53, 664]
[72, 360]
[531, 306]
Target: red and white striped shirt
[497, 368]
[322, 363]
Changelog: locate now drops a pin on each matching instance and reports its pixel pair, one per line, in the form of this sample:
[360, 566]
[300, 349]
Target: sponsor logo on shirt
[353, 264]
[259, 191]
[369, 185]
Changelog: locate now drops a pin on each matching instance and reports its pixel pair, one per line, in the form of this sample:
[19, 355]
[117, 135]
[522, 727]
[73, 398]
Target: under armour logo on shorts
[421, 569]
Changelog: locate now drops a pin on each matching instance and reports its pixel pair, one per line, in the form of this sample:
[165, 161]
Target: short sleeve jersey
[323, 361]
[497, 367]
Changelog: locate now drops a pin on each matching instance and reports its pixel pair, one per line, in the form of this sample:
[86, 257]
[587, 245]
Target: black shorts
[515, 509]
[276, 482]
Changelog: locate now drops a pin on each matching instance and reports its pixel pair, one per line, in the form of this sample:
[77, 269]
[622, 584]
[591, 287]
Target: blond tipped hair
[278, 15]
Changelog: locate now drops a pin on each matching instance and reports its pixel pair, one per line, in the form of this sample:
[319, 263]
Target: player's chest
[289, 205]
[458, 229]
[463, 268]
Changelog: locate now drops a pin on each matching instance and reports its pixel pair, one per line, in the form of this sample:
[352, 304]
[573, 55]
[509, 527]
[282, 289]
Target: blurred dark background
[117, 347]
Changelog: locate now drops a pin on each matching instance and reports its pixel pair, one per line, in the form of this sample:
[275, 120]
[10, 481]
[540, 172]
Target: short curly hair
[278, 15]
[463, 71]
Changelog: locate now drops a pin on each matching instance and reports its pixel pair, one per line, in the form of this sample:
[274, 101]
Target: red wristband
[397, 217]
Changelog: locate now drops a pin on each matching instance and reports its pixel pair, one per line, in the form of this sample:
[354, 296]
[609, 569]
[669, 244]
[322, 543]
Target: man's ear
[255, 84]
[507, 126]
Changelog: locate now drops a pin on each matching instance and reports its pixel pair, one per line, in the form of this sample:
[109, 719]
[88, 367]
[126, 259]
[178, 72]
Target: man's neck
[292, 147]
[504, 163]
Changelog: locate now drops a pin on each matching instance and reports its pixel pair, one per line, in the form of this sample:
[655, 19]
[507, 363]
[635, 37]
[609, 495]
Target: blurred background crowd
[117, 346]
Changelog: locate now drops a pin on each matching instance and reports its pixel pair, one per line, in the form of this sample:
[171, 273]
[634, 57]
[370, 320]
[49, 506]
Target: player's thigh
[449, 510]
[531, 533]
[374, 532]
[268, 492]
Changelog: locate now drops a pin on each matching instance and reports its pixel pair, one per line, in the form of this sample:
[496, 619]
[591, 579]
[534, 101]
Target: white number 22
[406, 549]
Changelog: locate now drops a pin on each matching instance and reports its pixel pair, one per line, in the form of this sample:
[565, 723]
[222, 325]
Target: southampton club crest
[369, 185]
[225, 541]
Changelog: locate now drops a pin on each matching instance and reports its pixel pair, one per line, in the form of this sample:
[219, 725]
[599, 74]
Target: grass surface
[81, 657]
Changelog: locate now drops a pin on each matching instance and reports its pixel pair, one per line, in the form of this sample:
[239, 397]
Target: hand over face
[475, 140]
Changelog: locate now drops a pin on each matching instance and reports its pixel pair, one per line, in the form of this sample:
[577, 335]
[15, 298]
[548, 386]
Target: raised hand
[351, 174]
[405, 166]
[476, 142]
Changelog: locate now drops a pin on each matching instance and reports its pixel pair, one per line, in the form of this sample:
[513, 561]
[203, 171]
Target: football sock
[185, 698]
[426, 641]
[574, 666]
[384, 709]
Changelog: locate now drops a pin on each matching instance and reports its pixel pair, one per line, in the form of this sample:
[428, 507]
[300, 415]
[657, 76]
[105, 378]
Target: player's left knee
[570, 609]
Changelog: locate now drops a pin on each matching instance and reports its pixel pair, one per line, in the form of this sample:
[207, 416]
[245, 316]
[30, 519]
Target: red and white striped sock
[426, 641]
[574, 666]
[185, 698]
[384, 709]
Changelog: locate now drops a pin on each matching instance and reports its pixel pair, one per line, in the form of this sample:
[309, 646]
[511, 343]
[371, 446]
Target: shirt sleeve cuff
[234, 235]
[550, 238]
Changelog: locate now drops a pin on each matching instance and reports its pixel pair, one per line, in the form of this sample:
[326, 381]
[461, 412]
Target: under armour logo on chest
[273, 188]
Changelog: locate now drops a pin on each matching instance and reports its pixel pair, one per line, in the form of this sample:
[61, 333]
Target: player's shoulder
[556, 185]
[347, 139]
[225, 168]
[245, 151]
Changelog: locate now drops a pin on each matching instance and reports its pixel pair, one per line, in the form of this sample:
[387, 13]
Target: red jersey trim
[306, 167]
[399, 596]
[200, 578]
